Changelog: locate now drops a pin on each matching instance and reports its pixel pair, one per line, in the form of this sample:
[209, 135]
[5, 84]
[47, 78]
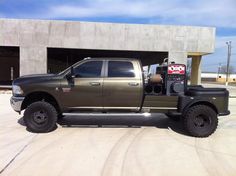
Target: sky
[214, 13]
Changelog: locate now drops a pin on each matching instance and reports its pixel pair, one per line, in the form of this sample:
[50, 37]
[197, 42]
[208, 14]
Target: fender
[38, 95]
[185, 102]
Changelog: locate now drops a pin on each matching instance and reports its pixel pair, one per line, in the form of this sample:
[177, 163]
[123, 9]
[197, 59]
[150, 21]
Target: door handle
[133, 84]
[94, 83]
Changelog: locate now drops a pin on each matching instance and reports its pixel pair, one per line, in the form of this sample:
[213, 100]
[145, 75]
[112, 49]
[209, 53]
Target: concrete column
[178, 57]
[33, 60]
[196, 70]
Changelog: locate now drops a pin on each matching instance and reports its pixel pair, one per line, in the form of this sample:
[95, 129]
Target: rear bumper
[224, 113]
[16, 103]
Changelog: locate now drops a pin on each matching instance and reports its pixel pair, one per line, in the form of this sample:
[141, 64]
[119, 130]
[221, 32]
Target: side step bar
[107, 114]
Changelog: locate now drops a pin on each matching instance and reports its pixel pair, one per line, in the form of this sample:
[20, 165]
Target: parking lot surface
[149, 146]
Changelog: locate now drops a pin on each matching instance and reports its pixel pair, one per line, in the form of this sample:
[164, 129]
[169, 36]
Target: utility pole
[219, 71]
[228, 62]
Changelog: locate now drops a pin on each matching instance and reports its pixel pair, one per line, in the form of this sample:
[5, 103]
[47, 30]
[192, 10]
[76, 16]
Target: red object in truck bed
[176, 69]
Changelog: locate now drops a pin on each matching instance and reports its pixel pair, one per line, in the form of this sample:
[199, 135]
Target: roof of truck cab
[110, 58]
[100, 58]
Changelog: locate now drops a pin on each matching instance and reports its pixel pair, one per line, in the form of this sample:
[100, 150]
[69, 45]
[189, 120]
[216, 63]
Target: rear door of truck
[122, 85]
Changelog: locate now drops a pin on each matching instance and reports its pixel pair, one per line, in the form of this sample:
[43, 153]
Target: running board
[145, 114]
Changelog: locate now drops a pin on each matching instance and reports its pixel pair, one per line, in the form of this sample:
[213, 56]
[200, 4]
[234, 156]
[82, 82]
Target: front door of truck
[84, 91]
[122, 87]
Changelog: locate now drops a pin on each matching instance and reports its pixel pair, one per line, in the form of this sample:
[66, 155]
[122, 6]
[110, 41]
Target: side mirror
[71, 74]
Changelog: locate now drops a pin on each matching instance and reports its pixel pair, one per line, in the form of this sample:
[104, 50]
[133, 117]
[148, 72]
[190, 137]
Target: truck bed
[157, 103]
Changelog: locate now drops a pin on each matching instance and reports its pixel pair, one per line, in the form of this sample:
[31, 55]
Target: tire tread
[53, 117]
[193, 111]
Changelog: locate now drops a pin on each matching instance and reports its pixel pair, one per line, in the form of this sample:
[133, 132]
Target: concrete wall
[34, 36]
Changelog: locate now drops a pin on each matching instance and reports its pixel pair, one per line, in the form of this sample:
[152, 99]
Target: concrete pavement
[115, 150]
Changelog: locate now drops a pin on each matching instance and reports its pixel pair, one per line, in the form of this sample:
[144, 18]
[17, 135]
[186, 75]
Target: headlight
[17, 90]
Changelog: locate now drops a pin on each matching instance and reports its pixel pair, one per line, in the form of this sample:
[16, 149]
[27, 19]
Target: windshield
[64, 71]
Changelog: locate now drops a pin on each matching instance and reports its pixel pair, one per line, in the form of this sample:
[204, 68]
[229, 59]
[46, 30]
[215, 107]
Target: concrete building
[42, 46]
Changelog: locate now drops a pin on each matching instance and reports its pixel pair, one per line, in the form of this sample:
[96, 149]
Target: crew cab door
[84, 91]
[122, 85]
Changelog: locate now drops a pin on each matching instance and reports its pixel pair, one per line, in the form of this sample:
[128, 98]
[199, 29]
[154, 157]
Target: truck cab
[101, 84]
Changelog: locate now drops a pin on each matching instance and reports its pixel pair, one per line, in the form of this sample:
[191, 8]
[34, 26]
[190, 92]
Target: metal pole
[12, 73]
[228, 62]
[219, 71]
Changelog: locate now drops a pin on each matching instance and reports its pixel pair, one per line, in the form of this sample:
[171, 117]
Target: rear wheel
[40, 117]
[200, 121]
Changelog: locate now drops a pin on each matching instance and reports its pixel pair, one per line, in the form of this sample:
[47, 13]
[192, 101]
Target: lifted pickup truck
[118, 85]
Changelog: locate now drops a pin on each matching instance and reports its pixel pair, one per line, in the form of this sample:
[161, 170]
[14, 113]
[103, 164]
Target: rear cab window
[120, 69]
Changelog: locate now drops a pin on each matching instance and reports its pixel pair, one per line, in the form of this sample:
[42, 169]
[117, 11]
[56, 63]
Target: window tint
[90, 69]
[120, 69]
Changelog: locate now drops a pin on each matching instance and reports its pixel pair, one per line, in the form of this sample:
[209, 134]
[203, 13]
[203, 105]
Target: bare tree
[223, 69]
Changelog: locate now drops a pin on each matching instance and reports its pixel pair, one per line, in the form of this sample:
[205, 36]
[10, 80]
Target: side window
[91, 69]
[120, 69]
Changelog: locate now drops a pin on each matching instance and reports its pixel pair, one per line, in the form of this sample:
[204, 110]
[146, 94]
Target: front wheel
[40, 117]
[200, 121]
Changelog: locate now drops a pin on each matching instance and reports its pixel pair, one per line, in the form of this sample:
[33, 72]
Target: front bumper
[16, 103]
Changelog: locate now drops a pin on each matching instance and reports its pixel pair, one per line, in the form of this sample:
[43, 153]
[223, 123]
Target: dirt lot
[142, 149]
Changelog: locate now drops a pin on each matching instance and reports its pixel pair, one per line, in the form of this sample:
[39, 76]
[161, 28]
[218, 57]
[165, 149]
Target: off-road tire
[200, 121]
[40, 117]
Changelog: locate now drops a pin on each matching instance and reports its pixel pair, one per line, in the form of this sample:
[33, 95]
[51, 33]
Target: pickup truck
[117, 85]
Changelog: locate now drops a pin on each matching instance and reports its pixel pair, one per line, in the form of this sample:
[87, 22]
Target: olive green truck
[118, 85]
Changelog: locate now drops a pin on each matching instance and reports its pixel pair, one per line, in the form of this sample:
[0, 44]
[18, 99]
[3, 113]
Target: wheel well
[205, 103]
[40, 96]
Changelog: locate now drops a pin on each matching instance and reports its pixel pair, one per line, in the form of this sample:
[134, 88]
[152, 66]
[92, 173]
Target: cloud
[182, 12]
[210, 13]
